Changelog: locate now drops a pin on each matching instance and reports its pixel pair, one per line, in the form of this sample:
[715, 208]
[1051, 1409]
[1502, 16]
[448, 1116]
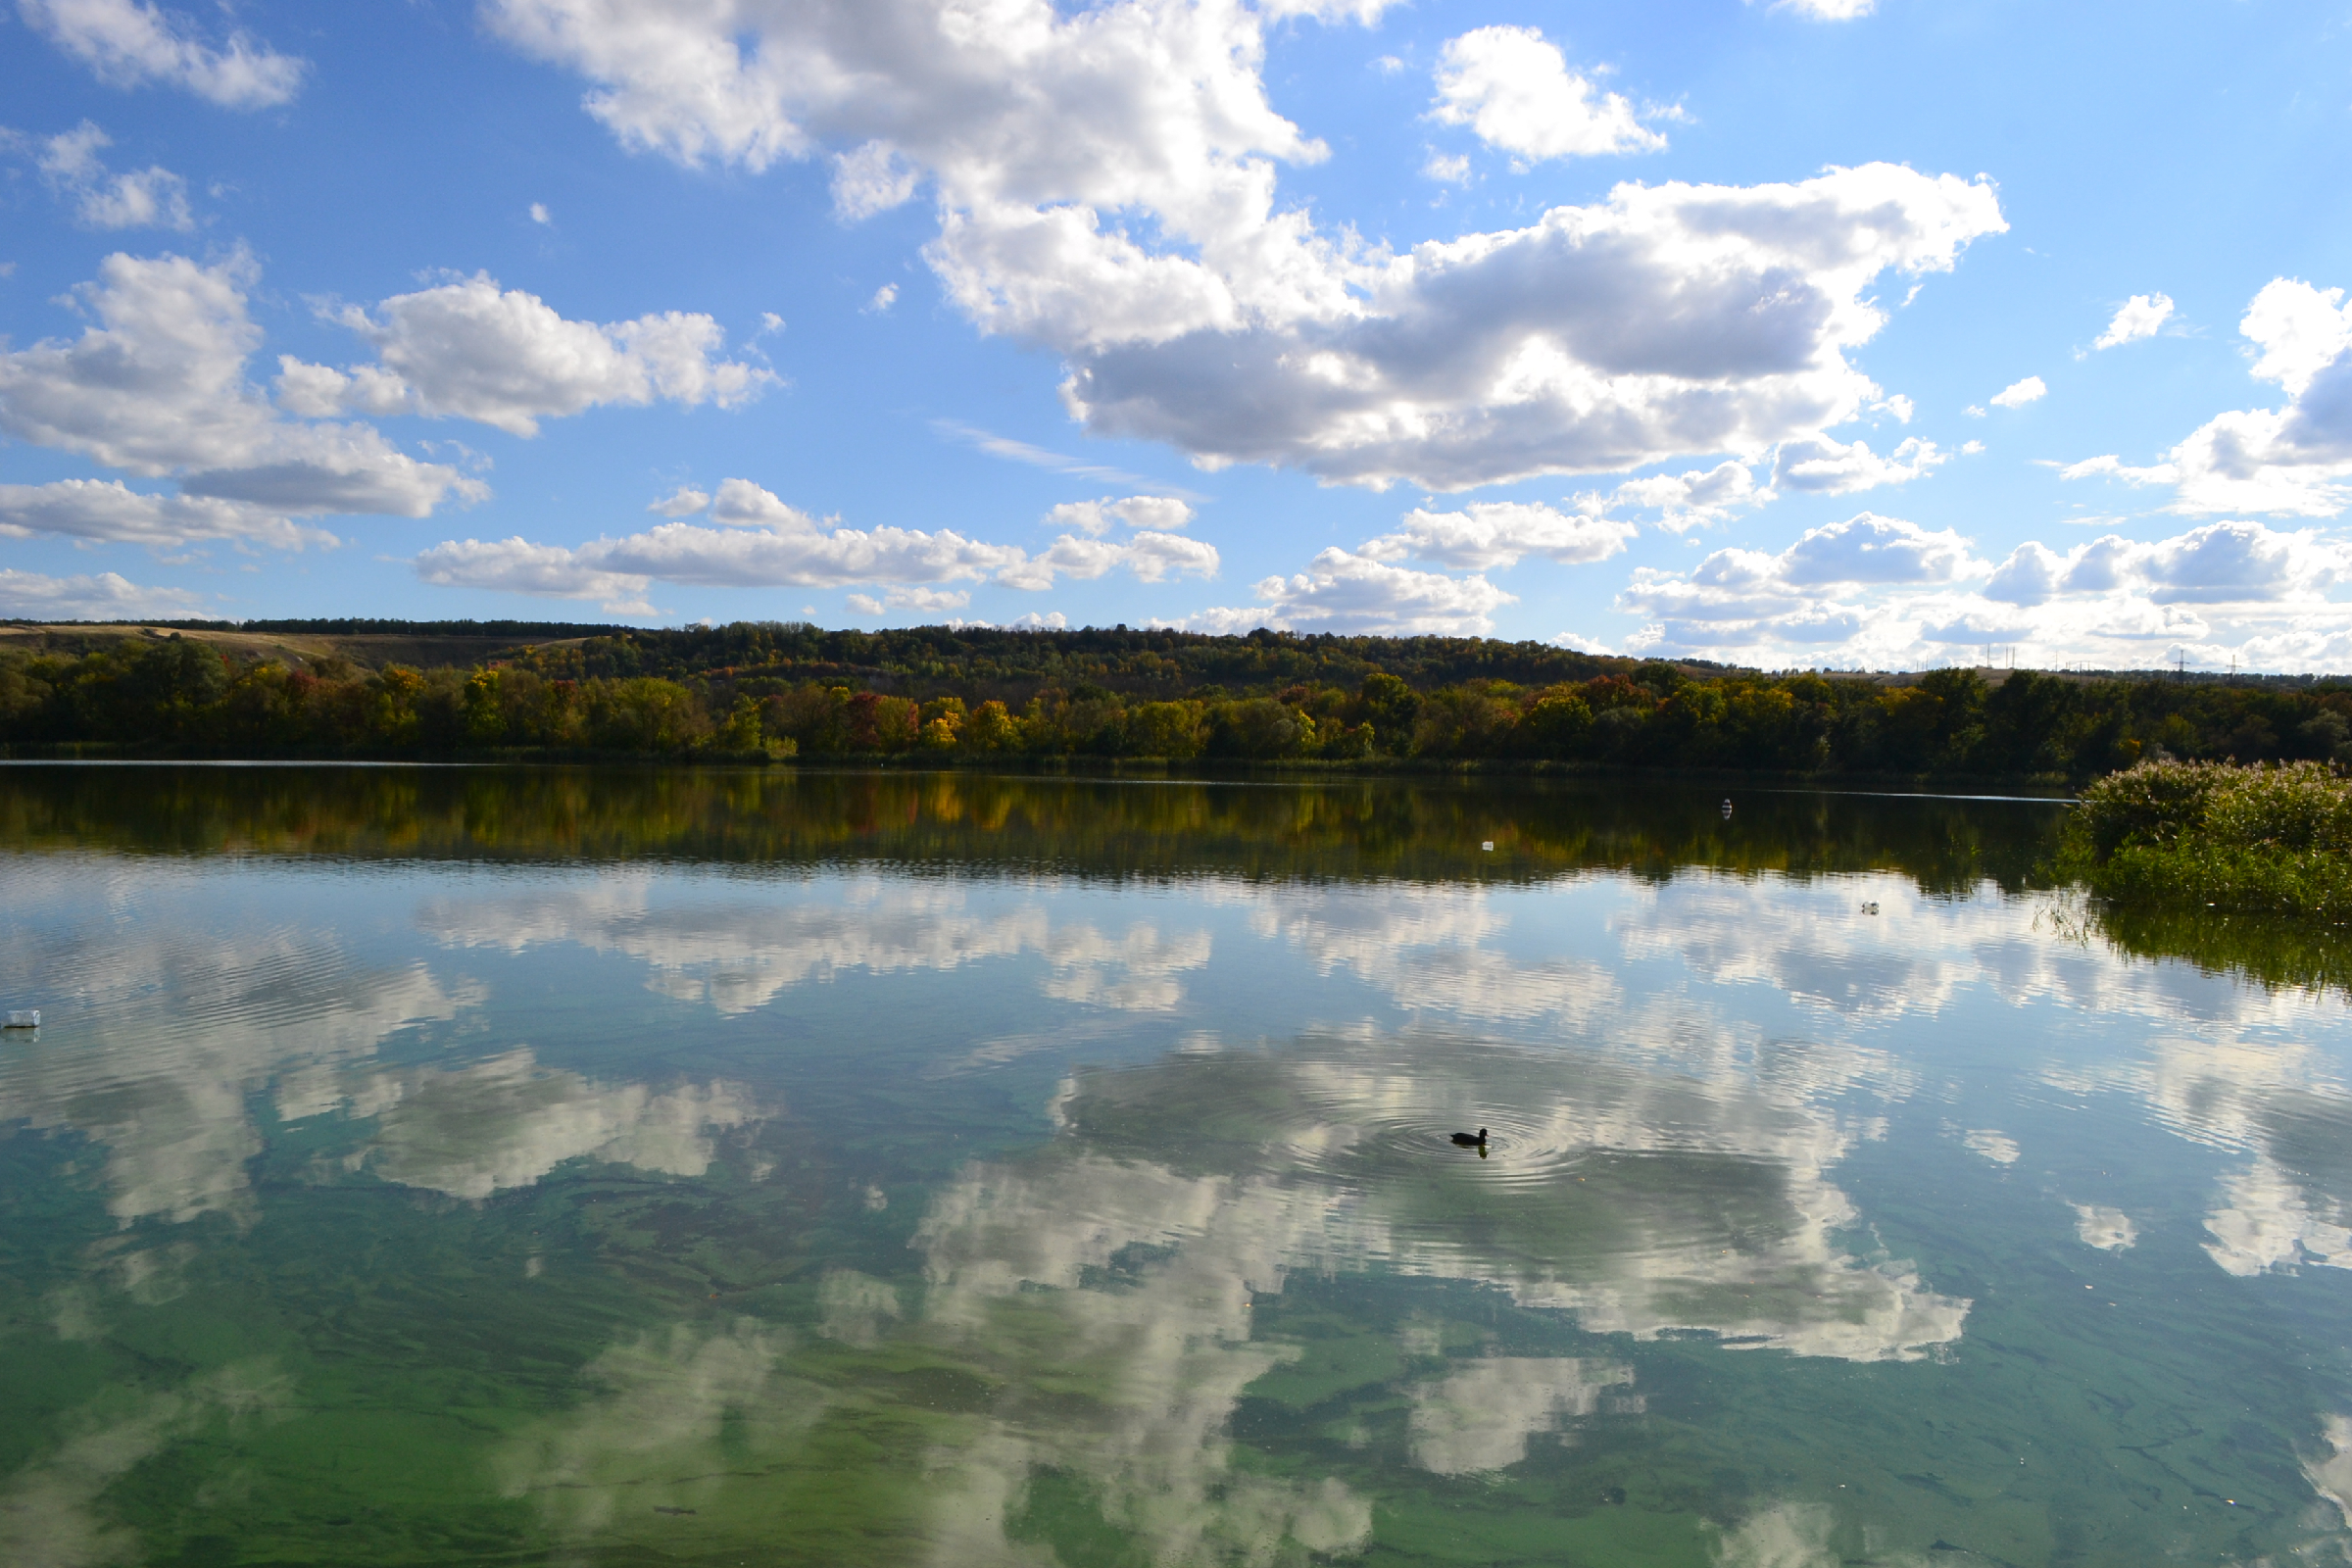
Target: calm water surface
[469, 1166]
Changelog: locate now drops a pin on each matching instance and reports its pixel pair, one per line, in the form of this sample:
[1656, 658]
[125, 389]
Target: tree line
[941, 695]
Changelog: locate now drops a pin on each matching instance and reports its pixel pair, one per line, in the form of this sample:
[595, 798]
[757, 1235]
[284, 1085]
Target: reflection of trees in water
[2292, 1205]
[2275, 950]
[1378, 828]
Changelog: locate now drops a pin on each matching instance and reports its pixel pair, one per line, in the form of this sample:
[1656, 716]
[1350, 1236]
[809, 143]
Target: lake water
[452, 1166]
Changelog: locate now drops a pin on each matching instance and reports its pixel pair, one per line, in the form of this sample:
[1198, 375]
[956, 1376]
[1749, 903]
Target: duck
[1466, 1141]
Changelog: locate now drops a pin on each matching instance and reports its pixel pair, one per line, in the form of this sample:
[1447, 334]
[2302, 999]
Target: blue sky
[1819, 333]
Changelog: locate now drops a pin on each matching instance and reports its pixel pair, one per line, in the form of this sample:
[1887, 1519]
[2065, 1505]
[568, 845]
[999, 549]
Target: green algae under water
[452, 1166]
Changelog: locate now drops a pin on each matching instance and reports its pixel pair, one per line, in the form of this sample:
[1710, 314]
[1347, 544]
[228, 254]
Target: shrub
[2211, 834]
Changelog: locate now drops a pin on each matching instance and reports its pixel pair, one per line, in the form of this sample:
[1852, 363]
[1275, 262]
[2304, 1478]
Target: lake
[475, 1165]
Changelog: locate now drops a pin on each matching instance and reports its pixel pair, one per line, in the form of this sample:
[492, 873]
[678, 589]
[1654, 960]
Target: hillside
[943, 695]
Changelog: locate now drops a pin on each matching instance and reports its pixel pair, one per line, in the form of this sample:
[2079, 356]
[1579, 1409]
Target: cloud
[1161, 513]
[884, 298]
[128, 44]
[1037, 457]
[1871, 549]
[754, 540]
[2140, 315]
[539, 213]
[157, 387]
[109, 509]
[871, 179]
[2222, 589]
[516, 565]
[1693, 499]
[1152, 557]
[2227, 563]
[1447, 169]
[504, 358]
[1828, 10]
[1515, 90]
[158, 383]
[1487, 534]
[1345, 592]
[1819, 465]
[153, 197]
[683, 502]
[1803, 595]
[1668, 322]
[2290, 461]
[1106, 180]
[928, 601]
[107, 596]
[2017, 394]
[725, 557]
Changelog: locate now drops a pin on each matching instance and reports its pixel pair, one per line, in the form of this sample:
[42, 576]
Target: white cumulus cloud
[153, 197]
[1693, 499]
[1160, 512]
[683, 502]
[516, 565]
[108, 510]
[503, 356]
[926, 600]
[1106, 182]
[871, 179]
[156, 387]
[1810, 595]
[128, 44]
[1513, 88]
[2291, 460]
[1891, 596]
[1152, 557]
[2140, 315]
[106, 596]
[1820, 465]
[1341, 591]
[754, 539]
[1487, 534]
[2017, 394]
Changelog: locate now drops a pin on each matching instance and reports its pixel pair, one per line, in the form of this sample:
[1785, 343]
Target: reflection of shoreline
[1353, 829]
[2279, 952]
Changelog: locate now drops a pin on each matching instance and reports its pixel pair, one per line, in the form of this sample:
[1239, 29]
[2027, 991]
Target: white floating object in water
[30, 1018]
[1486, 844]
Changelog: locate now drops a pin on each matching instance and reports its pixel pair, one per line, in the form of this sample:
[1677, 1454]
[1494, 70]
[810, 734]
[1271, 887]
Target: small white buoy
[1486, 844]
[29, 1019]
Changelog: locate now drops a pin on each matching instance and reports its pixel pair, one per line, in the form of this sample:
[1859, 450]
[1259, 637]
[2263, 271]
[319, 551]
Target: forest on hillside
[946, 694]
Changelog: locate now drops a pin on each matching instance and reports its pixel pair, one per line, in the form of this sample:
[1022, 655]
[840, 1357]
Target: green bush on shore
[2218, 835]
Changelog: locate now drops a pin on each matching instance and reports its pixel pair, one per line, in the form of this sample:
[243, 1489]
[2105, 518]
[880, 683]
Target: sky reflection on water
[868, 1207]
